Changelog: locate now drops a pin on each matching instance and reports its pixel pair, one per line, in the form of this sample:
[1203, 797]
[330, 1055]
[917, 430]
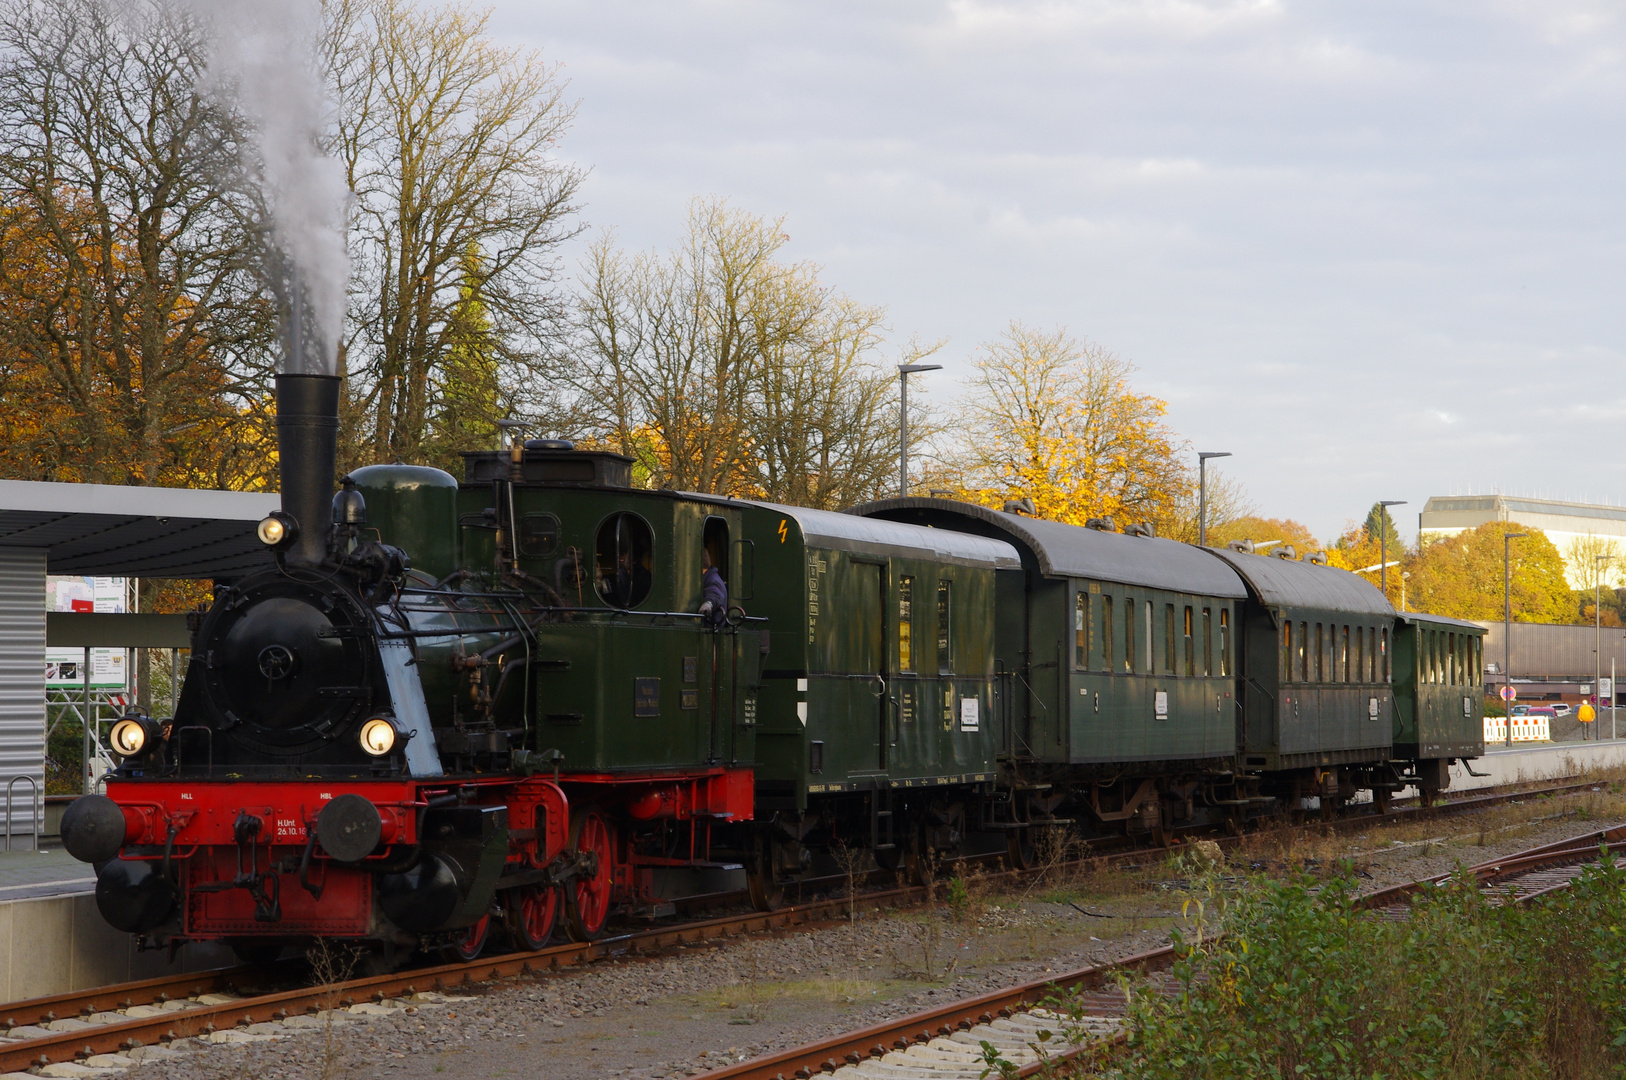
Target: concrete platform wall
[1539, 763]
[52, 945]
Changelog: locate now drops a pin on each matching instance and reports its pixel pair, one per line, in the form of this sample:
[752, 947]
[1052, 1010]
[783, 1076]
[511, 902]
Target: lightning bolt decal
[782, 524]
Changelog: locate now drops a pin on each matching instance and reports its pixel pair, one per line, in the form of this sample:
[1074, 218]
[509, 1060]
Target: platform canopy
[113, 531]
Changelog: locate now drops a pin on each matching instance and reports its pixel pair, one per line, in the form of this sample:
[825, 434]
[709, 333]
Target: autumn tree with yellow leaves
[133, 339]
[1461, 576]
[1052, 418]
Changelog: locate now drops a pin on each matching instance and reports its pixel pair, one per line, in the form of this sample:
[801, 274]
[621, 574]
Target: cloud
[1319, 230]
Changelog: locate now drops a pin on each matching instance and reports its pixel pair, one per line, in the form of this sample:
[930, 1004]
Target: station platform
[53, 940]
[1538, 761]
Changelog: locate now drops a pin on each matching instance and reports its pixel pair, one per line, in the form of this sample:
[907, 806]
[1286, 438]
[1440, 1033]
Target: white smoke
[264, 58]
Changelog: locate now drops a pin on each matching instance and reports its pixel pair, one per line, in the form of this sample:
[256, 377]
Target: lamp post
[1202, 492]
[904, 371]
[1507, 626]
[1597, 636]
[1383, 543]
[1405, 576]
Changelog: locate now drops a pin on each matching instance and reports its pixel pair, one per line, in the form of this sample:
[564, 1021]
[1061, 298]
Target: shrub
[1304, 983]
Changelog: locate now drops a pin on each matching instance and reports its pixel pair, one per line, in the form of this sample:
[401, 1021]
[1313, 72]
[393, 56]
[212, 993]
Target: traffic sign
[1508, 693]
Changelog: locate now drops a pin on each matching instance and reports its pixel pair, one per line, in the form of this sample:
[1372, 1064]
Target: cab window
[625, 560]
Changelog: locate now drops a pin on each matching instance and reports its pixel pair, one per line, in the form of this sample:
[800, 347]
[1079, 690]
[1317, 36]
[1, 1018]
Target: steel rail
[875, 1042]
[112, 1037]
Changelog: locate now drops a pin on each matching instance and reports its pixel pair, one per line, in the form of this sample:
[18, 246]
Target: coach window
[1225, 641]
[906, 623]
[1287, 651]
[1191, 645]
[1343, 668]
[1208, 642]
[945, 640]
[1383, 651]
[1106, 633]
[1360, 654]
[1320, 653]
[1081, 631]
[1302, 649]
[1451, 642]
[625, 557]
[1129, 633]
[1168, 640]
[1147, 660]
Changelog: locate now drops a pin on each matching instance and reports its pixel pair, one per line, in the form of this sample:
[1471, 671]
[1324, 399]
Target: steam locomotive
[452, 712]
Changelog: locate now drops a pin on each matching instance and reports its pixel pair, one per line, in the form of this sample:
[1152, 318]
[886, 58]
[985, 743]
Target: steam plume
[264, 59]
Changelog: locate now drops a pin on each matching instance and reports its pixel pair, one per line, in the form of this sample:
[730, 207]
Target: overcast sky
[1372, 248]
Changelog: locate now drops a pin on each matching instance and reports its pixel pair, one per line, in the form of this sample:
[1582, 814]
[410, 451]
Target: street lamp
[1383, 543]
[1202, 492]
[904, 371]
[1507, 626]
[1597, 637]
[1405, 576]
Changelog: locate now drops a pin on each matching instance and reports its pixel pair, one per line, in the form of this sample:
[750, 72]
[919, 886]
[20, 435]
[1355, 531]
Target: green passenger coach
[1316, 700]
[879, 692]
[1439, 710]
[1117, 667]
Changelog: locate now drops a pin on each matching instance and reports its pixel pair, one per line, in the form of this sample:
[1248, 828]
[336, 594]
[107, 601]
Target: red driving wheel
[588, 895]
[468, 944]
[532, 915]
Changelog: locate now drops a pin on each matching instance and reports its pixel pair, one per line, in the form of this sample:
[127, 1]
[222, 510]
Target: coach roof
[1286, 583]
[824, 528]
[1062, 550]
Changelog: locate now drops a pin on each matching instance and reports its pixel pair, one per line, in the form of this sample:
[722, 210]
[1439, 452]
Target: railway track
[115, 1020]
[1023, 1024]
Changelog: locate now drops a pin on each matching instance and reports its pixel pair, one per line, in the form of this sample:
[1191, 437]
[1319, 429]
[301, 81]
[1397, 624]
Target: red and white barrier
[1525, 729]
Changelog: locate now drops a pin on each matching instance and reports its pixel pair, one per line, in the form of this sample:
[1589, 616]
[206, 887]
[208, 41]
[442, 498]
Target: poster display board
[64, 668]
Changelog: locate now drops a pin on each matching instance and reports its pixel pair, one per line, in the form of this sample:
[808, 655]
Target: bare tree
[722, 369]
[461, 203]
[1228, 501]
[131, 325]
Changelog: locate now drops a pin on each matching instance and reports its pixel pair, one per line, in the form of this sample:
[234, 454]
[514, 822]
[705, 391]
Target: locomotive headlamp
[378, 736]
[277, 530]
[134, 735]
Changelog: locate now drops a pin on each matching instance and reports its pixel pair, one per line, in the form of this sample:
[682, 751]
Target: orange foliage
[105, 375]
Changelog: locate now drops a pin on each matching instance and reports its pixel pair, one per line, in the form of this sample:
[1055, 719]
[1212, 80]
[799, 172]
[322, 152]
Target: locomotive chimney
[307, 445]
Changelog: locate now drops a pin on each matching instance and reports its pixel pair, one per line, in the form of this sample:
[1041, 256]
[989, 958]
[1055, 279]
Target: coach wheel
[531, 916]
[587, 897]
[1382, 800]
[467, 945]
[1019, 851]
[888, 856]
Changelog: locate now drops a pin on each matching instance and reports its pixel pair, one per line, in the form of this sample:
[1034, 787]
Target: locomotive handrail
[36, 812]
[605, 613]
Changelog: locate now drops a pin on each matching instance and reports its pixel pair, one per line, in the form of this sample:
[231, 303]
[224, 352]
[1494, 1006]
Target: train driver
[713, 591]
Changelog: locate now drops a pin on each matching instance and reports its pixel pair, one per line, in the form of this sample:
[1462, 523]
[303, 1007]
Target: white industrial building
[1563, 522]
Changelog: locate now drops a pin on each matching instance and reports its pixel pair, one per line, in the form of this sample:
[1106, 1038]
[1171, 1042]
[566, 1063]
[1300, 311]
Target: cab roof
[1062, 550]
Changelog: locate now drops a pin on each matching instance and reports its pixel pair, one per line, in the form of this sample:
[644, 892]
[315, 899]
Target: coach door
[869, 659]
